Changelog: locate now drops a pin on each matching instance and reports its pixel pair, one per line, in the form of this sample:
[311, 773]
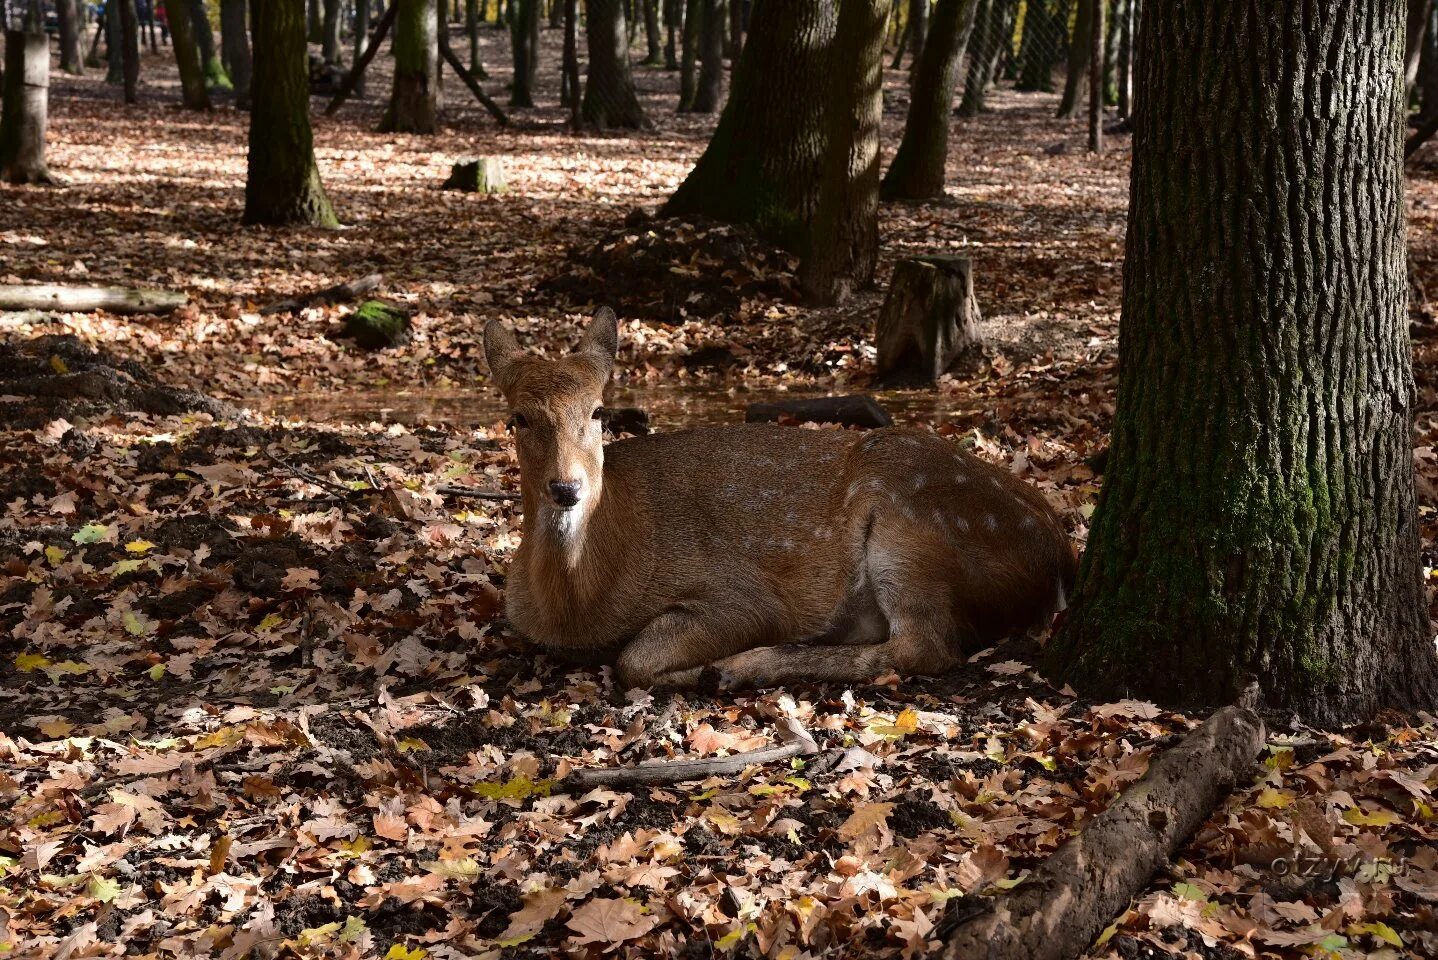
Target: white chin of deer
[566, 525]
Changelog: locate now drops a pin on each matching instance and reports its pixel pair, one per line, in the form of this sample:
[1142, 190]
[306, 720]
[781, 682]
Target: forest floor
[258, 696]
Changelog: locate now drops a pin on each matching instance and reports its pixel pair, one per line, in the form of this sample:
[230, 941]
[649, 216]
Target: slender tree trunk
[843, 245]
[361, 41]
[114, 45]
[917, 171]
[1416, 27]
[524, 42]
[414, 99]
[762, 164]
[918, 33]
[571, 61]
[737, 28]
[283, 182]
[214, 70]
[709, 92]
[689, 64]
[187, 57]
[129, 49]
[1428, 70]
[1079, 50]
[315, 29]
[72, 34]
[610, 99]
[993, 26]
[24, 108]
[653, 38]
[1096, 74]
[673, 25]
[1037, 46]
[1257, 522]
[1127, 9]
[235, 41]
[333, 20]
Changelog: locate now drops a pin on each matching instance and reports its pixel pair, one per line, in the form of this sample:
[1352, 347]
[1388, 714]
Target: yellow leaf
[270, 622]
[1378, 818]
[355, 847]
[132, 624]
[518, 788]
[139, 546]
[223, 737]
[27, 662]
[54, 555]
[58, 364]
[465, 869]
[1379, 931]
[1272, 799]
[122, 567]
[731, 939]
[407, 744]
[102, 889]
[354, 926]
[157, 671]
[56, 728]
[398, 952]
[1106, 936]
[314, 935]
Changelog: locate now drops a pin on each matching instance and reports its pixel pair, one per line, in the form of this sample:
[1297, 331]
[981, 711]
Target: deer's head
[555, 411]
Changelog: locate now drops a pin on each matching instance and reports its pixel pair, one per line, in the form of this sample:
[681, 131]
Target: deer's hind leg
[673, 650]
[908, 585]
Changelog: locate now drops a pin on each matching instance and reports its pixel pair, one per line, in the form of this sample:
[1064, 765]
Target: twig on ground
[795, 741]
[307, 476]
[475, 493]
[339, 293]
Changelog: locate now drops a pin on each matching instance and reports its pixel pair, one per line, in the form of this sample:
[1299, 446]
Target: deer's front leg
[673, 650]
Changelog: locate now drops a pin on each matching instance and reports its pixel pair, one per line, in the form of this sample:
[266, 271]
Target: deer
[759, 555]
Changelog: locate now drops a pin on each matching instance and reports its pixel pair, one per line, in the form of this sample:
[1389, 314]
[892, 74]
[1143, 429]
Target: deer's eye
[518, 421]
[598, 413]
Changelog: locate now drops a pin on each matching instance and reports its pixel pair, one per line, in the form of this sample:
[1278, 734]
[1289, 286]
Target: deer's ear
[500, 349]
[601, 339]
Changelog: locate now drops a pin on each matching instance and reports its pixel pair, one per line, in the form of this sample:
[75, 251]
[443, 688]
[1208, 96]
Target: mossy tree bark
[214, 70]
[1257, 520]
[610, 99]
[414, 98]
[235, 43]
[187, 57]
[524, 43]
[1077, 80]
[709, 91]
[283, 183]
[653, 40]
[673, 23]
[762, 165]
[1036, 47]
[843, 245]
[689, 62]
[917, 170]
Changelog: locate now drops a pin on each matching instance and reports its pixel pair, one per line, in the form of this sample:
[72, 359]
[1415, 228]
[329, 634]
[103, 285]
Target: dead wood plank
[77, 299]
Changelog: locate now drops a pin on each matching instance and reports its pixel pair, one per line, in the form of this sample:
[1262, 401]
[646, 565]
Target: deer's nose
[565, 493]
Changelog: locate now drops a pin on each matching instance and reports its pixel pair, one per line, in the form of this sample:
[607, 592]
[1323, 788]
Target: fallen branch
[347, 86]
[119, 300]
[305, 475]
[498, 114]
[475, 493]
[794, 741]
[339, 293]
[1066, 902]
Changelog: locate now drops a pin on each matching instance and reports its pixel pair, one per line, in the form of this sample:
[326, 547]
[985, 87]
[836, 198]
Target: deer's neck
[563, 540]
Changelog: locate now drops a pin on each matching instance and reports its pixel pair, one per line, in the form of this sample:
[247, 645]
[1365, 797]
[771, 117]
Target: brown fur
[772, 554]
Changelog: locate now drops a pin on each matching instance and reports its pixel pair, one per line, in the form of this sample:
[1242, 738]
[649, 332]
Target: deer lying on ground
[768, 554]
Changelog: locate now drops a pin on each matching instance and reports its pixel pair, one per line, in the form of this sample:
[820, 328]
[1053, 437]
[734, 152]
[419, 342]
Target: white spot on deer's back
[919, 482]
[1028, 521]
[962, 523]
[991, 522]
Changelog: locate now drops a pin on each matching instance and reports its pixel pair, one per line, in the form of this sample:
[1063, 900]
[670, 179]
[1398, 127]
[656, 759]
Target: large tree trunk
[709, 91]
[414, 99]
[235, 42]
[917, 170]
[1077, 79]
[283, 183]
[72, 35]
[843, 245]
[187, 57]
[524, 42]
[129, 49]
[24, 108]
[762, 164]
[1257, 520]
[214, 70]
[610, 99]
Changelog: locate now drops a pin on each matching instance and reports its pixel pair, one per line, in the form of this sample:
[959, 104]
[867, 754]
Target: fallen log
[794, 741]
[120, 300]
[1067, 901]
[339, 293]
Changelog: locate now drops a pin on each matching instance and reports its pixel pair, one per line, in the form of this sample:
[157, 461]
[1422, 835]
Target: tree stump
[484, 175]
[23, 108]
[376, 325]
[929, 318]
